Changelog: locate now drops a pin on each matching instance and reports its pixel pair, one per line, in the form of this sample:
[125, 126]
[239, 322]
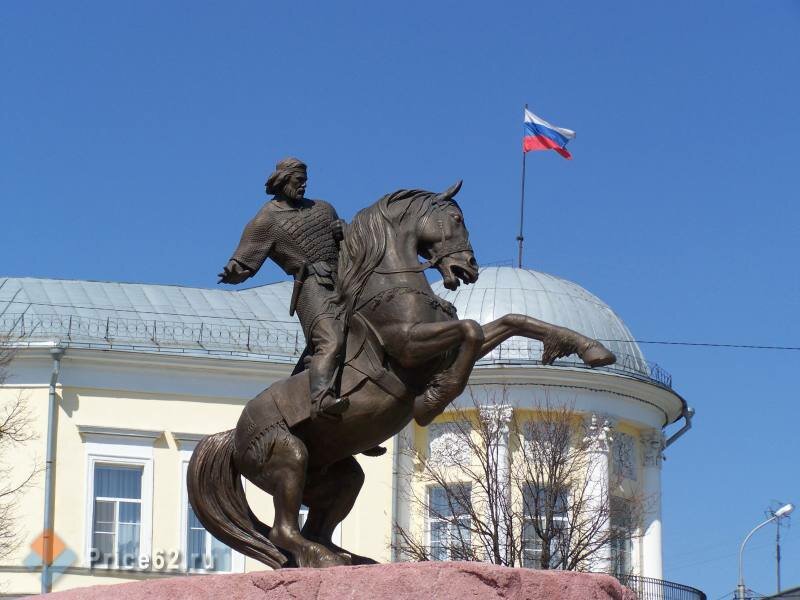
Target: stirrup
[376, 451]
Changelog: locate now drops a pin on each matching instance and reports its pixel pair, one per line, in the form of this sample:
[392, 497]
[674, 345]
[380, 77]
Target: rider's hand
[338, 230]
[234, 272]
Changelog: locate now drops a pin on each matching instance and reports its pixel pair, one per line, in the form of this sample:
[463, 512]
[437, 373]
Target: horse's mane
[364, 244]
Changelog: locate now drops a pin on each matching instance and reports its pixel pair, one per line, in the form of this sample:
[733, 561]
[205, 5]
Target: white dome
[503, 290]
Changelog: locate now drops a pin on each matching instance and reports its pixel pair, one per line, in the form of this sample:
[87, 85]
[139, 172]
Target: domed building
[627, 406]
[124, 379]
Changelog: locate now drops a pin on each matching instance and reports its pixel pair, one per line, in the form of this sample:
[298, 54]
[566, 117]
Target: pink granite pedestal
[399, 581]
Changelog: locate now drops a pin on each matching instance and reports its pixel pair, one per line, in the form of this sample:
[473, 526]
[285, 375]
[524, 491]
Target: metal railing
[251, 337]
[647, 588]
[262, 338]
[518, 351]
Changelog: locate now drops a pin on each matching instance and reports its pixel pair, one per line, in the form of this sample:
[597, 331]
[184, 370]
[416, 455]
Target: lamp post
[781, 512]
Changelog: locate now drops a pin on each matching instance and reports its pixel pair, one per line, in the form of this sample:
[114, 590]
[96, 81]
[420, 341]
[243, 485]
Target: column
[402, 480]
[497, 418]
[652, 451]
[598, 446]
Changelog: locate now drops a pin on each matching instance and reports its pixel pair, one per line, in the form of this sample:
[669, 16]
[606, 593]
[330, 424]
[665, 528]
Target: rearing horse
[408, 356]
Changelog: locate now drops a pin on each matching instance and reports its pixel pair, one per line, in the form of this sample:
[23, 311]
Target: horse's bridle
[446, 249]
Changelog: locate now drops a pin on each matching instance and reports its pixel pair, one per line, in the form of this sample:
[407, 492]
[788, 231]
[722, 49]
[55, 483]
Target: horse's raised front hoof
[317, 556]
[597, 355]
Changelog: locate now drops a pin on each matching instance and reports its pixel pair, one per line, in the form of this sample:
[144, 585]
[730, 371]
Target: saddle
[287, 401]
[366, 360]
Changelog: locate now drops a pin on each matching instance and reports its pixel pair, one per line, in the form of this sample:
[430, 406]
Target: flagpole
[520, 237]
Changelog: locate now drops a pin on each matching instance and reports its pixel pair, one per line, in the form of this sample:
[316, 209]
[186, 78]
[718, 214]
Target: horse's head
[443, 239]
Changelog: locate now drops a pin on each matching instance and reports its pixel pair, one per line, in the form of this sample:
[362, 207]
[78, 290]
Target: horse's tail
[217, 496]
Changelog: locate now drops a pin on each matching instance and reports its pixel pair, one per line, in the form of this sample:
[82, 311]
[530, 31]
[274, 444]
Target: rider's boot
[322, 367]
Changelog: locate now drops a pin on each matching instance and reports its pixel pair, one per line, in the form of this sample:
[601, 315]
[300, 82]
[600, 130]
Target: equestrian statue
[383, 349]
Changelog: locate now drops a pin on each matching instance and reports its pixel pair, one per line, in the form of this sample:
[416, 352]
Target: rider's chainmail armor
[299, 238]
[292, 237]
[311, 231]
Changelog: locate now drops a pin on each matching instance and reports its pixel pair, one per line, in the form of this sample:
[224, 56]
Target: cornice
[667, 401]
[230, 365]
[187, 438]
[88, 432]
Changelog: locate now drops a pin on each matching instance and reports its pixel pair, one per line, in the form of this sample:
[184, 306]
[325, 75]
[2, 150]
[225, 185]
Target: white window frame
[116, 518]
[125, 448]
[563, 518]
[429, 520]
[186, 445]
[626, 533]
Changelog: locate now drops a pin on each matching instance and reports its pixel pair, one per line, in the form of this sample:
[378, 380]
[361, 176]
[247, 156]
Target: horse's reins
[447, 249]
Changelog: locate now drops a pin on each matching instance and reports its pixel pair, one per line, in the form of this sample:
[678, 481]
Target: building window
[621, 525]
[117, 523]
[204, 552]
[449, 522]
[200, 550]
[539, 503]
[119, 496]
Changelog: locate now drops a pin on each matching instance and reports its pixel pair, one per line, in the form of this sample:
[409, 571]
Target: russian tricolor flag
[540, 135]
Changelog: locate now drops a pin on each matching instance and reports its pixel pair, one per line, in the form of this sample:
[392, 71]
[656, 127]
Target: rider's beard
[292, 192]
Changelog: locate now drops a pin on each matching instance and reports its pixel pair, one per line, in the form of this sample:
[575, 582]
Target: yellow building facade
[134, 375]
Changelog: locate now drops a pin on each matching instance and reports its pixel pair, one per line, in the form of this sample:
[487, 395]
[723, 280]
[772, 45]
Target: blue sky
[136, 138]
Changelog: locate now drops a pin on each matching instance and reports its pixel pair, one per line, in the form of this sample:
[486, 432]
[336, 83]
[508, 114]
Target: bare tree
[15, 429]
[513, 492]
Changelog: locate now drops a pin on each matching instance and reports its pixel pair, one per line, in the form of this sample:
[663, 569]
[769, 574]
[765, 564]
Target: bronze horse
[408, 356]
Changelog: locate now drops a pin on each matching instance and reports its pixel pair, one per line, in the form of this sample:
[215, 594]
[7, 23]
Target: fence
[518, 351]
[263, 338]
[647, 588]
[252, 337]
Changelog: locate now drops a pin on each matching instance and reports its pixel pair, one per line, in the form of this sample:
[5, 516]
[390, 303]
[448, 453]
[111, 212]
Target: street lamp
[781, 512]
